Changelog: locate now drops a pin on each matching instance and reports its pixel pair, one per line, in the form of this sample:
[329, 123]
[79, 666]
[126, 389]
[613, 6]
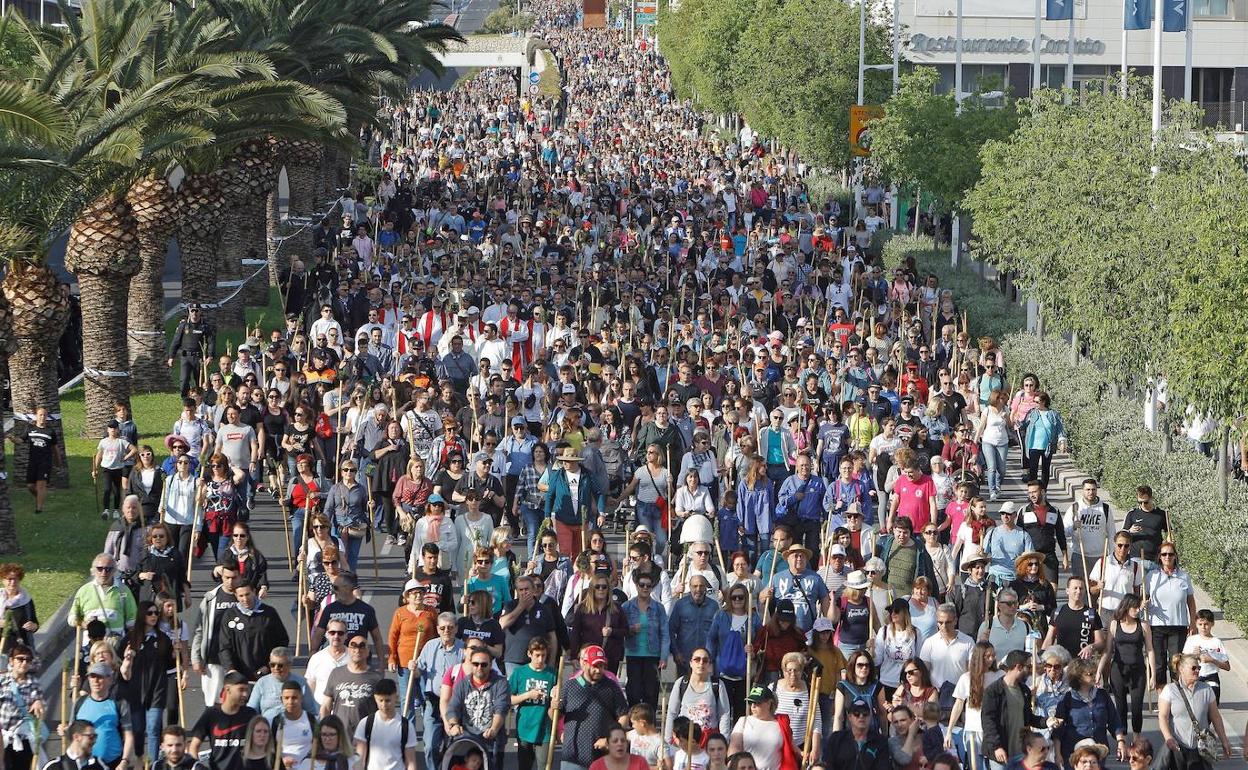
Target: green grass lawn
[58, 544]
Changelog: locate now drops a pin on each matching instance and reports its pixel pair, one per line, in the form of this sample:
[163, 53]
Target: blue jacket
[810, 507]
[1044, 429]
[657, 639]
[755, 507]
[691, 625]
[1097, 719]
[721, 631]
[559, 503]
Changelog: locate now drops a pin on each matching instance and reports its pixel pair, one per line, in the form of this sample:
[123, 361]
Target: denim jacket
[657, 639]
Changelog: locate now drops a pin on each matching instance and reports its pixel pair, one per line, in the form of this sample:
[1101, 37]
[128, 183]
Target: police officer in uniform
[194, 339]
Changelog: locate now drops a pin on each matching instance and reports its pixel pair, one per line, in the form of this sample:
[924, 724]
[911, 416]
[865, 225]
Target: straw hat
[971, 556]
[1027, 556]
[858, 580]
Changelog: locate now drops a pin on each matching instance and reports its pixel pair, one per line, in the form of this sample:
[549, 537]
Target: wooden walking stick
[277, 749]
[190, 556]
[1100, 599]
[411, 671]
[554, 713]
[810, 716]
[372, 530]
[749, 638]
[177, 663]
[284, 503]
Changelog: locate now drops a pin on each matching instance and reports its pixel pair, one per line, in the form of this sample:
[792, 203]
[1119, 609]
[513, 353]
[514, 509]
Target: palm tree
[350, 50]
[149, 97]
[152, 204]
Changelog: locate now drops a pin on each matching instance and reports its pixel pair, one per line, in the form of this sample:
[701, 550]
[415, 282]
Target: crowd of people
[555, 318]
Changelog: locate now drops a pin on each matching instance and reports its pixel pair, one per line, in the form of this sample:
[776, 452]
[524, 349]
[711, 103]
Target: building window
[1212, 9]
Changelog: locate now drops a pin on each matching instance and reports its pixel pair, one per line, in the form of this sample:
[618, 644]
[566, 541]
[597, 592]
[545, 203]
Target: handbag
[660, 502]
[1203, 738]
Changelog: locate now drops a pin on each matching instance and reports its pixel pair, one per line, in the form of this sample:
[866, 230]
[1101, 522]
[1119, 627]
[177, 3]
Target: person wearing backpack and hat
[571, 502]
[800, 585]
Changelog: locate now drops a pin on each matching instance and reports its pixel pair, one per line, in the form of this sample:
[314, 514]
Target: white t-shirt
[383, 747]
[762, 739]
[320, 666]
[962, 690]
[1196, 644]
[297, 740]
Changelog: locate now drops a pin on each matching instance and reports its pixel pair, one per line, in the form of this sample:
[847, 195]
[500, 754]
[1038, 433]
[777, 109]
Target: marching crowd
[553, 319]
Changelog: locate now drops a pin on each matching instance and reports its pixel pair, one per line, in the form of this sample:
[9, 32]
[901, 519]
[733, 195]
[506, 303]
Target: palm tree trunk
[233, 248]
[105, 354]
[8, 522]
[146, 319]
[39, 314]
[277, 251]
[154, 208]
[103, 252]
[200, 221]
[254, 232]
[302, 178]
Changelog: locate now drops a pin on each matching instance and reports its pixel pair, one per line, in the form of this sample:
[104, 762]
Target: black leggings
[1127, 680]
[112, 487]
[18, 759]
[643, 681]
[1039, 465]
[1167, 642]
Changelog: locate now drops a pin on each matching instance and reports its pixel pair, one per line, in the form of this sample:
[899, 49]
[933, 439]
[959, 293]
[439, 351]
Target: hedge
[1108, 440]
[989, 313]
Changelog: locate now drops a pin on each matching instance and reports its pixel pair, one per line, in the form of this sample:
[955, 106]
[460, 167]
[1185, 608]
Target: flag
[1174, 17]
[1137, 14]
[1061, 10]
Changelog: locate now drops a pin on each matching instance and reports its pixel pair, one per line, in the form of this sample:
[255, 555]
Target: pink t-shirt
[914, 500]
[956, 513]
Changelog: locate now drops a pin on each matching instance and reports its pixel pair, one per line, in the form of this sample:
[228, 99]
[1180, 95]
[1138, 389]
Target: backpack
[716, 688]
[368, 734]
[731, 657]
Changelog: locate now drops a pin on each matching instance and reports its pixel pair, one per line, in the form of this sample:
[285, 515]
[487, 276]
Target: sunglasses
[358, 645]
[335, 633]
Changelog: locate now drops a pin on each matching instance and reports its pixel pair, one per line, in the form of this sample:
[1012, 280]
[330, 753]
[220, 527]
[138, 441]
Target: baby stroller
[455, 756]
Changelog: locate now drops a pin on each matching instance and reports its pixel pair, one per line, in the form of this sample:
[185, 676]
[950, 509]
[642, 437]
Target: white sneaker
[116, 514]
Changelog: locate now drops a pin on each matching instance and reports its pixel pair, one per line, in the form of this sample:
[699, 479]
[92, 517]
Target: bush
[504, 20]
[897, 246]
[989, 313]
[1107, 439]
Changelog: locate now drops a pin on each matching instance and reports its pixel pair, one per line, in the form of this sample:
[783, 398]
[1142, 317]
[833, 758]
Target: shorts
[38, 469]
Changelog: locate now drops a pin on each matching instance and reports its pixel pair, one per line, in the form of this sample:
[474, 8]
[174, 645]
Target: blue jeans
[406, 707]
[532, 518]
[435, 734]
[649, 515]
[353, 552]
[994, 457]
[148, 723]
[296, 531]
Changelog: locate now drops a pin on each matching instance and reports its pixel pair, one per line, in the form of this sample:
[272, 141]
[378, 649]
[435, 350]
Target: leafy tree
[1069, 204]
[796, 70]
[504, 20]
[922, 140]
[1205, 192]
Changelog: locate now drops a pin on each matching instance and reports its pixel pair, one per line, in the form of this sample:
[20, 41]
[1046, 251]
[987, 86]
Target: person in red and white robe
[518, 334]
[408, 337]
[537, 332]
[431, 325]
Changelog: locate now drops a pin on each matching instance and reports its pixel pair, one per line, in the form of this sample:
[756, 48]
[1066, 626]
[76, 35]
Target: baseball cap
[568, 388]
[412, 585]
[595, 656]
[759, 694]
[436, 499]
[824, 624]
[785, 610]
[837, 550]
[858, 706]
[100, 669]
[518, 421]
